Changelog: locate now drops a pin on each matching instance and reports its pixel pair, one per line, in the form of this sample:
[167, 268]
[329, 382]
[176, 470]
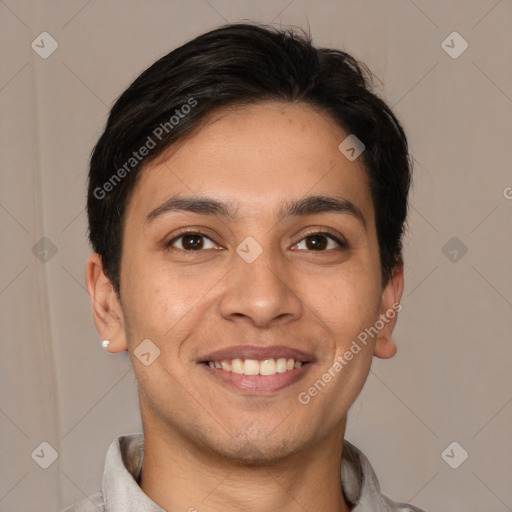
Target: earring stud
[105, 344]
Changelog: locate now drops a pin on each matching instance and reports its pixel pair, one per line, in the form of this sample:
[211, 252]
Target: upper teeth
[254, 367]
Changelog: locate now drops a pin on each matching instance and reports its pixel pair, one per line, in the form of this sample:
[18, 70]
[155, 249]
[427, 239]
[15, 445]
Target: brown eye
[320, 242]
[316, 242]
[191, 242]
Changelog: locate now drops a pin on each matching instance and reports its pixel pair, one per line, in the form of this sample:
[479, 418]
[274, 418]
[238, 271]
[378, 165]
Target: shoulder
[93, 503]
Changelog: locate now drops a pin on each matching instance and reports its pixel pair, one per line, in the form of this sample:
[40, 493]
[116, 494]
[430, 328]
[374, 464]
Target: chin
[257, 450]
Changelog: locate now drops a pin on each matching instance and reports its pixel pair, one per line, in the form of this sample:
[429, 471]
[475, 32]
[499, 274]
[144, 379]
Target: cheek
[159, 301]
[347, 304]
[148, 297]
[346, 301]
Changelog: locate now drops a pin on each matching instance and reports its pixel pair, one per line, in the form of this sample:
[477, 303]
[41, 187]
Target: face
[269, 267]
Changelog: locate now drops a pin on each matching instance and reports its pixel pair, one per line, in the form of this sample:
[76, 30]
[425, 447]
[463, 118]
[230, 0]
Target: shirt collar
[123, 465]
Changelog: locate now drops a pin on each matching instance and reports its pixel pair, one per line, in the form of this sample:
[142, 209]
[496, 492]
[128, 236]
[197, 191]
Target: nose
[260, 292]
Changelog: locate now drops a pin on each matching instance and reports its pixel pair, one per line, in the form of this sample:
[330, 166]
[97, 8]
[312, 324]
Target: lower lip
[258, 384]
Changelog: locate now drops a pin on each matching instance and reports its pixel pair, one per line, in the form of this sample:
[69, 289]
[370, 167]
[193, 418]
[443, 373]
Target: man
[246, 208]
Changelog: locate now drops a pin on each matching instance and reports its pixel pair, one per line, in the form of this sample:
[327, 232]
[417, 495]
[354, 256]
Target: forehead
[257, 157]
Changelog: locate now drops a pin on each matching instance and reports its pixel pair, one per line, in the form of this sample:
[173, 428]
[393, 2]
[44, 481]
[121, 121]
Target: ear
[385, 347]
[106, 308]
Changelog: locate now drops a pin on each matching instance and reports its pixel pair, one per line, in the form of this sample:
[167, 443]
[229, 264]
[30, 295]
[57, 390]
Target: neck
[177, 474]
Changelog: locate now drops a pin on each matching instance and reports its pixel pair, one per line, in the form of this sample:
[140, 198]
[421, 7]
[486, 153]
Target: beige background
[451, 379]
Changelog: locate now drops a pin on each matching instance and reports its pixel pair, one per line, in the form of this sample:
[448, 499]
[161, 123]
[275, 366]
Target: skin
[207, 446]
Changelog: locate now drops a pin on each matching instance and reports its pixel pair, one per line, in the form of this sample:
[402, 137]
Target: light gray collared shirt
[123, 465]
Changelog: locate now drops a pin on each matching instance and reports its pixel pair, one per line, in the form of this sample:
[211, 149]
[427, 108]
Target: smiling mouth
[254, 367]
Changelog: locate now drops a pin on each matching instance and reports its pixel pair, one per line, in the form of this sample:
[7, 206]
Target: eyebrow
[305, 206]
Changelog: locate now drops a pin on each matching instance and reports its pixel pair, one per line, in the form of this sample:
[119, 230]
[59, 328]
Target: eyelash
[341, 243]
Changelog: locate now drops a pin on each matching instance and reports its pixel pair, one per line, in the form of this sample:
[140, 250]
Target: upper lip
[259, 353]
